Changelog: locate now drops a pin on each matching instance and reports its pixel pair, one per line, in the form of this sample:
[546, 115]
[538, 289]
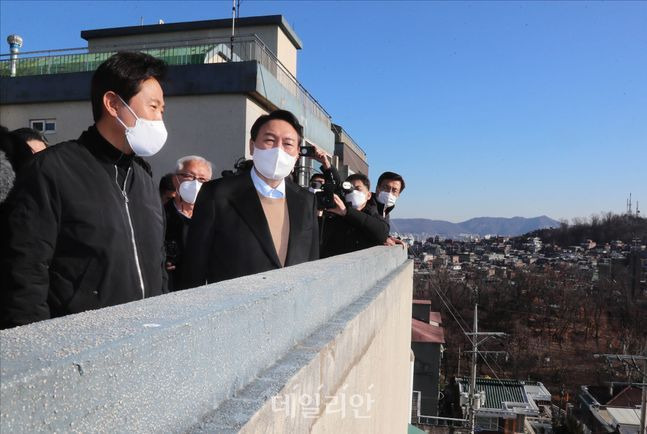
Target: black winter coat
[357, 230]
[177, 229]
[73, 240]
[229, 236]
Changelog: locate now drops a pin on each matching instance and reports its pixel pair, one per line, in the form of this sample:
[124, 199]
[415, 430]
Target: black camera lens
[307, 151]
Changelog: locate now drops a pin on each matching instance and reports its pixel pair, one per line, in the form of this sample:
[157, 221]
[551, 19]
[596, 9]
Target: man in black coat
[258, 220]
[355, 223]
[389, 187]
[84, 227]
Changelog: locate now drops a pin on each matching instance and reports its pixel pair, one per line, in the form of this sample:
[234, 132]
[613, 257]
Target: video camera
[325, 197]
[241, 166]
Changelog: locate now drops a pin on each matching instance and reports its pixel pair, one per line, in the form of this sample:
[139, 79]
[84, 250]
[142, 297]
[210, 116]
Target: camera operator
[328, 171]
[315, 183]
[354, 224]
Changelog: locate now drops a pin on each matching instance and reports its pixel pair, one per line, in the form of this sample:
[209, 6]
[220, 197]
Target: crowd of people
[84, 226]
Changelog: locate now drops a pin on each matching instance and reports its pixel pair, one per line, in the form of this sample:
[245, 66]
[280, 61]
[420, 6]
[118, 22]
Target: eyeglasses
[191, 177]
[388, 189]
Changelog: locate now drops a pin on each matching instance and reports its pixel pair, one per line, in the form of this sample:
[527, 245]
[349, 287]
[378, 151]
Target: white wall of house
[71, 117]
[213, 126]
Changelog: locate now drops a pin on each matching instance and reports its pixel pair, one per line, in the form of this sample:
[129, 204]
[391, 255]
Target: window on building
[487, 423]
[45, 126]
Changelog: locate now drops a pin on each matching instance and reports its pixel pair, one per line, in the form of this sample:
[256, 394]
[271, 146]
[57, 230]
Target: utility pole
[475, 348]
[458, 373]
[630, 361]
[474, 397]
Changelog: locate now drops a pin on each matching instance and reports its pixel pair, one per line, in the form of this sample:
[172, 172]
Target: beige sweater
[276, 213]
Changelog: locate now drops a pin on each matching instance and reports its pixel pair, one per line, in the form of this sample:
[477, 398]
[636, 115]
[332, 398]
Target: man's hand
[321, 157]
[340, 209]
[391, 241]
[170, 266]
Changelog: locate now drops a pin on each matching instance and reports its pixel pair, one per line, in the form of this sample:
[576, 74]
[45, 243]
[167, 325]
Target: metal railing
[187, 52]
[421, 419]
[352, 144]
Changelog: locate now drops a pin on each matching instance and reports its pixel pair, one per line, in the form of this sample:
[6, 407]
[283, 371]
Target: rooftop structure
[508, 405]
[602, 412]
[215, 89]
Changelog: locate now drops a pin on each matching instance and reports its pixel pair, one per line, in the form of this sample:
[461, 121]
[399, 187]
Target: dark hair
[360, 177]
[282, 115]
[16, 149]
[317, 175]
[391, 176]
[166, 183]
[123, 73]
[27, 134]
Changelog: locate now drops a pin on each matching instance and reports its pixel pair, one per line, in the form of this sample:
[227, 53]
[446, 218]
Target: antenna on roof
[141, 20]
[233, 27]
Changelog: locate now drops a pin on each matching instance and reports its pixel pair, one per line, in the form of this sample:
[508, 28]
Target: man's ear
[111, 103]
[251, 147]
[369, 195]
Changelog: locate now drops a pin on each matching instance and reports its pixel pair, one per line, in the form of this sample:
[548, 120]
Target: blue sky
[486, 108]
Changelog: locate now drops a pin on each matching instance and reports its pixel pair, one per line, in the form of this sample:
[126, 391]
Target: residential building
[216, 88]
[508, 406]
[427, 340]
[601, 412]
[347, 150]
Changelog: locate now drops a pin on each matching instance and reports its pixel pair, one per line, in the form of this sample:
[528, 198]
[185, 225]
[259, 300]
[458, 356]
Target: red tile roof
[423, 332]
[435, 317]
[629, 397]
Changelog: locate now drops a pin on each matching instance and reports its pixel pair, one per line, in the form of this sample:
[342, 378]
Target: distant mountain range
[477, 226]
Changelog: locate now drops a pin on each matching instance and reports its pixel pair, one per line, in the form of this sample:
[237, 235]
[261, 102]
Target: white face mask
[356, 198]
[274, 164]
[147, 137]
[387, 199]
[189, 190]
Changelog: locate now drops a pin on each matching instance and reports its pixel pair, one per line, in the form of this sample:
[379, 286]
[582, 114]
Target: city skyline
[486, 109]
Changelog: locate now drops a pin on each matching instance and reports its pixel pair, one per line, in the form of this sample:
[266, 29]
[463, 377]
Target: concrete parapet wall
[350, 376]
[164, 364]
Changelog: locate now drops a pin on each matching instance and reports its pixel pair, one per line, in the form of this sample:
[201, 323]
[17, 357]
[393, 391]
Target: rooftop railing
[187, 52]
[351, 143]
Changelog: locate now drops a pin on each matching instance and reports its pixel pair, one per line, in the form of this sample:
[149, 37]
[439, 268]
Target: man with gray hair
[190, 173]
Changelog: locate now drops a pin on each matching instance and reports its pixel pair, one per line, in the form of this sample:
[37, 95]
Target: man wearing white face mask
[355, 223]
[389, 187]
[258, 220]
[191, 172]
[85, 227]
